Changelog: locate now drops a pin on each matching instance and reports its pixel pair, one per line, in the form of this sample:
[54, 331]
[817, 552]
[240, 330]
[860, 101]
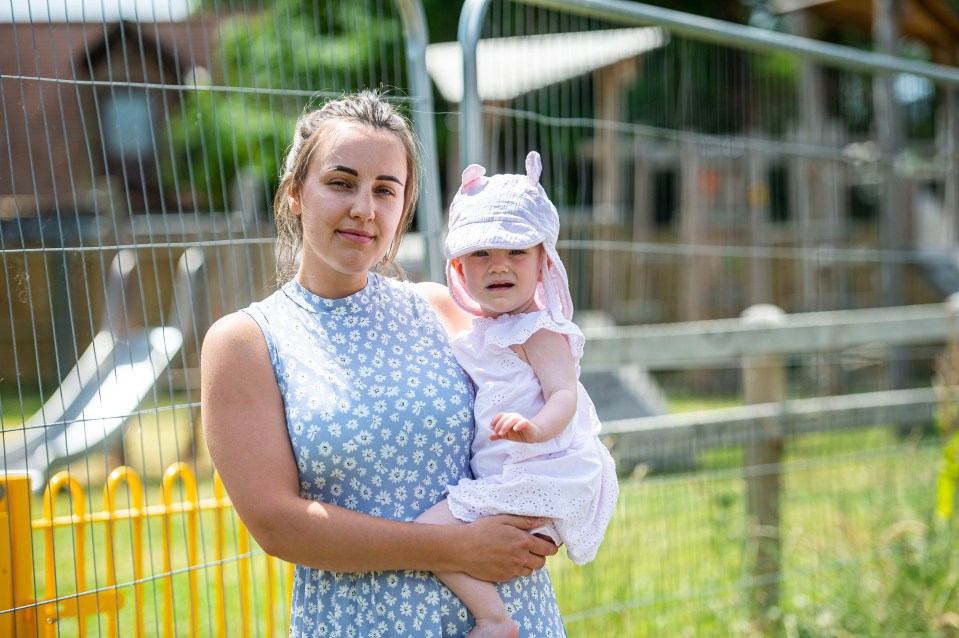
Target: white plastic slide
[109, 383]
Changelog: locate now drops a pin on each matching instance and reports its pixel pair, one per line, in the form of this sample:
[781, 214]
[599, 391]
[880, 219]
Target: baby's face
[502, 280]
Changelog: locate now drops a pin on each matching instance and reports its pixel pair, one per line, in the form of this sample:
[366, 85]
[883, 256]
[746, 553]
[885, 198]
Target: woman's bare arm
[245, 427]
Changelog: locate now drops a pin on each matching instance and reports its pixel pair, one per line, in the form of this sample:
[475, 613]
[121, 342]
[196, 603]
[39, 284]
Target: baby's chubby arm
[548, 353]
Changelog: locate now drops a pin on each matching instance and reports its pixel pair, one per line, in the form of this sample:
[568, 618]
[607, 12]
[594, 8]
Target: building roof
[930, 21]
[93, 11]
[47, 70]
[509, 67]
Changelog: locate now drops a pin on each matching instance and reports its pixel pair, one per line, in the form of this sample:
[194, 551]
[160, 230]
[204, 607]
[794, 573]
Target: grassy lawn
[16, 406]
[862, 554]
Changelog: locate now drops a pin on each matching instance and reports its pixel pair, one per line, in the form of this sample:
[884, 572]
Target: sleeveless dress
[570, 479]
[380, 417]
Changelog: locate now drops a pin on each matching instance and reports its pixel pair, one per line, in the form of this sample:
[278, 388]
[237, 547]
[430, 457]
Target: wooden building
[84, 108]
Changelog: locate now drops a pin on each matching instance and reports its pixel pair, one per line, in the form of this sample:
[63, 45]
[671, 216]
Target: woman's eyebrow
[353, 172]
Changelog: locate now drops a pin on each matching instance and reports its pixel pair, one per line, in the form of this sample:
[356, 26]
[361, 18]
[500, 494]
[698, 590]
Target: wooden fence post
[764, 381]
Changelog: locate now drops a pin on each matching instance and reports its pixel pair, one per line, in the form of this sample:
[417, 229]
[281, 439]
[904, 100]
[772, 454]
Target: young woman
[336, 414]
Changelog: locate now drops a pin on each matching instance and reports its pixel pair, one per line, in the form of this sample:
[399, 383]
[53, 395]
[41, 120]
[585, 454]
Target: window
[779, 209]
[127, 126]
[664, 197]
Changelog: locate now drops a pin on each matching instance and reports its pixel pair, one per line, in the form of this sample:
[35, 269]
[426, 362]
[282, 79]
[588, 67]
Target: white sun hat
[507, 211]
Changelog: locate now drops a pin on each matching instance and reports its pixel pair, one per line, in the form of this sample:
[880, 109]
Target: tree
[272, 63]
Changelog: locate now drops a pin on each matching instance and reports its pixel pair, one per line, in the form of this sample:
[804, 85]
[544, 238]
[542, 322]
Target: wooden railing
[758, 343]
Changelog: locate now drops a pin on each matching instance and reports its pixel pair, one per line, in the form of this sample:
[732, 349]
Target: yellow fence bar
[52, 609]
[219, 494]
[181, 472]
[18, 616]
[119, 476]
[23, 616]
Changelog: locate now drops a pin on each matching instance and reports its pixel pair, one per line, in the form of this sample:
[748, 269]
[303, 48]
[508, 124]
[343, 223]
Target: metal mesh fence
[140, 150]
[695, 174]
[700, 169]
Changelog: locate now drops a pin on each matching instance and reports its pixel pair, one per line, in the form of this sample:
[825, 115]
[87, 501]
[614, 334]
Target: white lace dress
[570, 479]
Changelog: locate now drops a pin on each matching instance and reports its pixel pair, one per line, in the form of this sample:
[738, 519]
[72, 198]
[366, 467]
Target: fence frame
[23, 616]
[760, 340]
[697, 27]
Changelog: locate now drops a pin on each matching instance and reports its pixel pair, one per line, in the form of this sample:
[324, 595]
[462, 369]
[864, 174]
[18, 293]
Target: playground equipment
[110, 380]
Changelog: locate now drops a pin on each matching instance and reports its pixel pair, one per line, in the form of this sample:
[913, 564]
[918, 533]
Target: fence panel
[701, 168]
[140, 149]
[184, 566]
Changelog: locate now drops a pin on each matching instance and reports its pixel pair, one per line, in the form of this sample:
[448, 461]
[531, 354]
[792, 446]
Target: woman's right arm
[245, 428]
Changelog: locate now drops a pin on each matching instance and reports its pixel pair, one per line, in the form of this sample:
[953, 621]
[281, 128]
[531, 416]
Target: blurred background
[758, 202]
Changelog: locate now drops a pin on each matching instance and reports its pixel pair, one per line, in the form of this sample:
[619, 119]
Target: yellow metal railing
[69, 605]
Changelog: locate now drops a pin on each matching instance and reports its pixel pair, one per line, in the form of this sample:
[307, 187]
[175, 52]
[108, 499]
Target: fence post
[764, 381]
[16, 559]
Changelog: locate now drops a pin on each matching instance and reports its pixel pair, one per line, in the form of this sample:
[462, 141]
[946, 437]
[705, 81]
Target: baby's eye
[517, 251]
[480, 253]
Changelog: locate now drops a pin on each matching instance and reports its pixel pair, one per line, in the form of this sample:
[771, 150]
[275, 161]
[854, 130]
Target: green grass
[692, 403]
[862, 553]
[16, 405]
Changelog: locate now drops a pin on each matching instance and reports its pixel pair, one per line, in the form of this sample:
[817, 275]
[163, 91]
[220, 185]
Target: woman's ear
[294, 205]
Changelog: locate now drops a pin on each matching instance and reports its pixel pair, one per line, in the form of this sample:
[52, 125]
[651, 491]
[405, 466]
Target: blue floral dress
[380, 418]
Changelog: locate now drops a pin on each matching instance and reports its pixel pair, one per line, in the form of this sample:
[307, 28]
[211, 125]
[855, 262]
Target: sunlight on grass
[861, 551]
[858, 550]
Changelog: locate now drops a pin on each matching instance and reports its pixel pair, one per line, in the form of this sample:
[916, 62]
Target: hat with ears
[507, 211]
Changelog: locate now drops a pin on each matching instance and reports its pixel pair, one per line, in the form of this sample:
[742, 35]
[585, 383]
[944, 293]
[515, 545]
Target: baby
[536, 450]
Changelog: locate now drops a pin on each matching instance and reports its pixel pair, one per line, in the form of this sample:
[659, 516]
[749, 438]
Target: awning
[509, 67]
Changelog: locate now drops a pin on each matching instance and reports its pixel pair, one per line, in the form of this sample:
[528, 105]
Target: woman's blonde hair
[366, 108]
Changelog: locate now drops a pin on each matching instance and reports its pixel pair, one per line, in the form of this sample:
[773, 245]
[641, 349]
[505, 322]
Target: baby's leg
[479, 596]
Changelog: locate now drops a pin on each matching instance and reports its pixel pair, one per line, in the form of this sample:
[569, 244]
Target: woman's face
[351, 204]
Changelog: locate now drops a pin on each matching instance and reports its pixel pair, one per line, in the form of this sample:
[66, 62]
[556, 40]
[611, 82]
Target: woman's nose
[363, 207]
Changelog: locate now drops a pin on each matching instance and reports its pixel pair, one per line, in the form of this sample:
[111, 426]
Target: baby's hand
[514, 427]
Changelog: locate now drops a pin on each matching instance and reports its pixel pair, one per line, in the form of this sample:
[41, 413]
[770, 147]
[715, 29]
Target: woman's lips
[356, 236]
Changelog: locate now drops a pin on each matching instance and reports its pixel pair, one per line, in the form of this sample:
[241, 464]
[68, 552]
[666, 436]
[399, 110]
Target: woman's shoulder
[232, 331]
[453, 318]
[437, 295]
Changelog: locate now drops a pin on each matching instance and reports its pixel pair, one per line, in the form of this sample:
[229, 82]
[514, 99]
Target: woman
[335, 412]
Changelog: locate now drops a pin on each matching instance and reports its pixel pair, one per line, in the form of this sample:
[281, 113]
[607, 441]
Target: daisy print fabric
[380, 417]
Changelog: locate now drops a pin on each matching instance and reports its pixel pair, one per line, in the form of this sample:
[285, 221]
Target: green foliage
[273, 63]
[217, 136]
[946, 384]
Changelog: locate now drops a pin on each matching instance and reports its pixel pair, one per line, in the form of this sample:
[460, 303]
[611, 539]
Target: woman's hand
[500, 548]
